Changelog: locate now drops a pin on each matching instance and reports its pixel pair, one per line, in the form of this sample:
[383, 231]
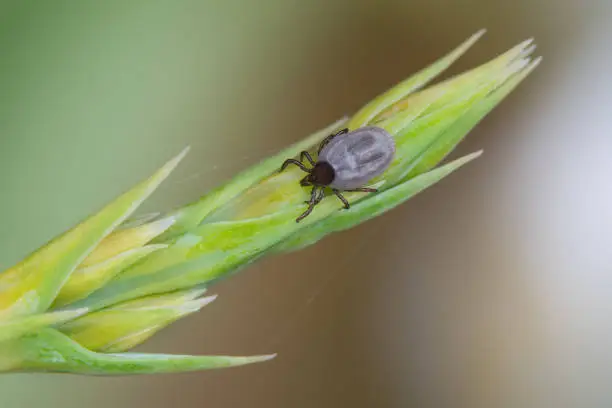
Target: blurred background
[491, 289]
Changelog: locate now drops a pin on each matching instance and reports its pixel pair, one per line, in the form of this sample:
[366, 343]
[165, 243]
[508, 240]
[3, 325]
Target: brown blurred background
[491, 289]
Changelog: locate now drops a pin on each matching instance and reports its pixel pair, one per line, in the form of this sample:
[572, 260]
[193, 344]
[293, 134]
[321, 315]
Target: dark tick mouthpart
[345, 164]
[322, 174]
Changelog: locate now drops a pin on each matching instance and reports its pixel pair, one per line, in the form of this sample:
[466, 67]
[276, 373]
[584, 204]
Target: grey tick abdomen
[358, 156]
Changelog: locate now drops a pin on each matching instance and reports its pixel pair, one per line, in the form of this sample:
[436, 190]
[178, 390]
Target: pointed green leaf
[124, 326]
[32, 285]
[413, 83]
[496, 71]
[52, 351]
[447, 142]
[125, 239]
[426, 140]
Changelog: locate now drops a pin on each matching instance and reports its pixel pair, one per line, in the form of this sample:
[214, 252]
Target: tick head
[322, 174]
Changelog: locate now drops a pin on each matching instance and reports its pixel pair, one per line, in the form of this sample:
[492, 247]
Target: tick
[346, 161]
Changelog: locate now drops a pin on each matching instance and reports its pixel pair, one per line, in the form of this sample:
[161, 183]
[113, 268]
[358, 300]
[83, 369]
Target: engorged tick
[345, 163]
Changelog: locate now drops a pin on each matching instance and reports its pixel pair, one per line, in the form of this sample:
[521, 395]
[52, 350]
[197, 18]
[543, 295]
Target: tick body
[346, 161]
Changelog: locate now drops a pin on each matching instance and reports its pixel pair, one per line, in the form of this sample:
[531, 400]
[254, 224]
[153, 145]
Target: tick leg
[296, 162]
[320, 197]
[341, 197]
[313, 196]
[329, 138]
[311, 205]
[307, 156]
[363, 190]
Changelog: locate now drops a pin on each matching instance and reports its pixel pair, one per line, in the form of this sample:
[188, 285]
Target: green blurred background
[491, 289]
